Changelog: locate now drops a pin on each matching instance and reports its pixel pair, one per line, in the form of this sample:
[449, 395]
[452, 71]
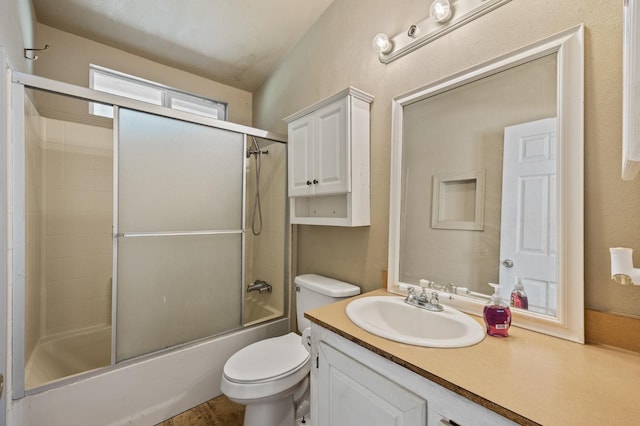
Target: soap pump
[497, 315]
[519, 297]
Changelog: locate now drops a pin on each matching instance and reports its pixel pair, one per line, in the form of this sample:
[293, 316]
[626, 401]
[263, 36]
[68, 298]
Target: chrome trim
[79, 92]
[243, 259]
[16, 160]
[116, 195]
[5, 230]
[175, 233]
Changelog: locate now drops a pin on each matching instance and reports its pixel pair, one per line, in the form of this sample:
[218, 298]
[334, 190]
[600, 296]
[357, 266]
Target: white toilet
[271, 377]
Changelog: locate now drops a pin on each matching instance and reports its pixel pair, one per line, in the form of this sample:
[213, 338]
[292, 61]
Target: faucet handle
[411, 295]
[434, 299]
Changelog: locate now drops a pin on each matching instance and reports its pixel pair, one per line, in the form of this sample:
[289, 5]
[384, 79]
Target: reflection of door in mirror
[528, 248]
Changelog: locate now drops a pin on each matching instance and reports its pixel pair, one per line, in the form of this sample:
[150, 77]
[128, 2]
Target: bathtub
[143, 391]
[66, 354]
[256, 311]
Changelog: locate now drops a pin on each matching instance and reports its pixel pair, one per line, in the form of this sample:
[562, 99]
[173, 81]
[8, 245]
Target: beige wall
[69, 57]
[337, 52]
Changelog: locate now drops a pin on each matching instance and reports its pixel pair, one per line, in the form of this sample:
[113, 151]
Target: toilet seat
[267, 360]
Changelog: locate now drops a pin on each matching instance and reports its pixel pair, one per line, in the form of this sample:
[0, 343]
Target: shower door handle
[1, 384]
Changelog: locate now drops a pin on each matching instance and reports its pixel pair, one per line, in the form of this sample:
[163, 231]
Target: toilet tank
[313, 291]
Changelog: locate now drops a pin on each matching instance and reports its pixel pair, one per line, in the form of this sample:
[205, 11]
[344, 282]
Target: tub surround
[528, 377]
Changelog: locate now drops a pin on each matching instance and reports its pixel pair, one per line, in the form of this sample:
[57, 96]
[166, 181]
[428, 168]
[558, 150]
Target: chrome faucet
[429, 302]
[259, 285]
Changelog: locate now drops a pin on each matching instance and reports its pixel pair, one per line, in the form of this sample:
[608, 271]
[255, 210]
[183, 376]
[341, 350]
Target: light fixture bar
[427, 30]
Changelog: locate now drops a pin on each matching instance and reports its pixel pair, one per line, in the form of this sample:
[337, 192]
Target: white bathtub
[66, 354]
[140, 392]
[256, 311]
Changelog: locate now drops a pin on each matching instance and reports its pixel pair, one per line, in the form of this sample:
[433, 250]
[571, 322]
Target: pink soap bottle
[497, 315]
[519, 297]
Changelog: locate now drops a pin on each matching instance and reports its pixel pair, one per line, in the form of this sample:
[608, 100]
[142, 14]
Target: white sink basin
[391, 318]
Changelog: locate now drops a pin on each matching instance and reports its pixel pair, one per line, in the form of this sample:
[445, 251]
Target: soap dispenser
[519, 296]
[497, 315]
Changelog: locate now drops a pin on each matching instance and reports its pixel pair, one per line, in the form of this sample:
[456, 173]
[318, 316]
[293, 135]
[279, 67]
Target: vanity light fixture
[444, 17]
[622, 270]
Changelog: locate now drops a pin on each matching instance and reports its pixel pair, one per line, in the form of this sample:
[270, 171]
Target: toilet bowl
[271, 377]
[264, 376]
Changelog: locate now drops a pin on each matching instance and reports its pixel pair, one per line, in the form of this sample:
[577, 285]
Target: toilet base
[271, 413]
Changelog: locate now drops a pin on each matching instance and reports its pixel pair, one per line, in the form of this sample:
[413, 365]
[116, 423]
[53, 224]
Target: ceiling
[235, 42]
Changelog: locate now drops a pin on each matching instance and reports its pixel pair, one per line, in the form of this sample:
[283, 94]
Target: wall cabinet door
[332, 148]
[349, 393]
[301, 155]
[319, 152]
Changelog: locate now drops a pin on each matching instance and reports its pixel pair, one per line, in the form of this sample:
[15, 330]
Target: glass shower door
[180, 234]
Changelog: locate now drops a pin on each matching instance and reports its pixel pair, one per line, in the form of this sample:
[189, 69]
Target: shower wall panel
[265, 256]
[78, 200]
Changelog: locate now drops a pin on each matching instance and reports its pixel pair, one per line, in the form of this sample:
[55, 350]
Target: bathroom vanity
[528, 378]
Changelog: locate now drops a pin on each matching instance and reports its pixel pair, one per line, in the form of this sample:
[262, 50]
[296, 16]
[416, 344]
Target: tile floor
[218, 411]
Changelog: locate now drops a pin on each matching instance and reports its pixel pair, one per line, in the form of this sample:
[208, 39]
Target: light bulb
[382, 44]
[441, 11]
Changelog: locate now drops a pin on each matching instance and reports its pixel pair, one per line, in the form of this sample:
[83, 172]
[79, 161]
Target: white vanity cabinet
[328, 157]
[351, 385]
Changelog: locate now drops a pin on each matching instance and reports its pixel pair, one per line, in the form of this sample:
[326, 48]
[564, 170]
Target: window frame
[168, 93]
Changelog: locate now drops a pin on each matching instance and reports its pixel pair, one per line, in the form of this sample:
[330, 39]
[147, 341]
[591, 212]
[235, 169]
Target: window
[116, 83]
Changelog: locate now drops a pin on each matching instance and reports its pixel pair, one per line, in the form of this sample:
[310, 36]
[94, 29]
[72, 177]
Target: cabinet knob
[308, 182]
[315, 181]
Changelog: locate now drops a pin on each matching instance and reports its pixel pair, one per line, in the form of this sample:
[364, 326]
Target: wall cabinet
[351, 385]
[329, 161]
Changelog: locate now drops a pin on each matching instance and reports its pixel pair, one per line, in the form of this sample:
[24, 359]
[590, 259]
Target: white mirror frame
[631, 91]
[569, 47]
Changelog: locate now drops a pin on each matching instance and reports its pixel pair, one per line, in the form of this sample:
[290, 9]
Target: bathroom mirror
[487, 185]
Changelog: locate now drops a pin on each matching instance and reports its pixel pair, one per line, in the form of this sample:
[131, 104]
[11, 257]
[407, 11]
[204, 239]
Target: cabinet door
[332, 151]
[301, 156]
[349, 393]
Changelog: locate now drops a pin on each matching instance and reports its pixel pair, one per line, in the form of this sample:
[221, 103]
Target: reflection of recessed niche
[458, 201]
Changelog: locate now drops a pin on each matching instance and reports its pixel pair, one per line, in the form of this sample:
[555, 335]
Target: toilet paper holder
[622, 270]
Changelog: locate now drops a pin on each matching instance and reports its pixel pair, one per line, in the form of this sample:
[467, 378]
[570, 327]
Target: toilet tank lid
[327, 286]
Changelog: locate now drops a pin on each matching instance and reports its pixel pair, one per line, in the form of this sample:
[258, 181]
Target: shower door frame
[5, 138]
[18, 83]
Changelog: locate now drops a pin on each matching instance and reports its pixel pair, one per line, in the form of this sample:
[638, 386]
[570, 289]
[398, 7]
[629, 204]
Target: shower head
[256, 152]
[254, 149]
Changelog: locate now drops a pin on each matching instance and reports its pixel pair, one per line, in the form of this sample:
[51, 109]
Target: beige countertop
[528, 377]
